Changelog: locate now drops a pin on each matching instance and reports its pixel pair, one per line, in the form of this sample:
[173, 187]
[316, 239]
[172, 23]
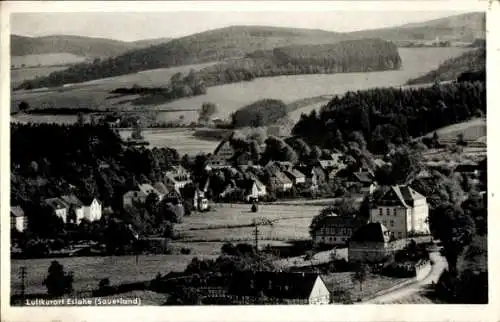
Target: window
[392, 223]
[380, 211]
[334, 238]
[394, 211]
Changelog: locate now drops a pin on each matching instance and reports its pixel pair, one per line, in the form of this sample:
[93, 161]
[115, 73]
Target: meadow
[181, 139]
[88, 271]
[17, 76]
[472, 130]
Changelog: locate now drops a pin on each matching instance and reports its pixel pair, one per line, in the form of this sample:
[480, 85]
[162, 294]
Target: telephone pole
[22, 275]
[256, 233]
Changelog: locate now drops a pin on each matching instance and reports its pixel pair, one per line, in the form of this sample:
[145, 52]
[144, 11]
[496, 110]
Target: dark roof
[342, 221]
[245, 184]
[17, 211]
[72, 200]
[285, 285]
[223, 142]
[372, 232]
[466, 167]
[56, 203]
[363, 177]
[402, 195]
[294, 173]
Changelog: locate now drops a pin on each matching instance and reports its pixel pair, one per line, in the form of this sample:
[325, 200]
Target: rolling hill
[464, 28]
[76, 45]
[238, 41]
[451, 69]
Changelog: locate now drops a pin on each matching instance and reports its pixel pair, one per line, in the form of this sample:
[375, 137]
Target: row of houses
[401, 212]
[69, 208]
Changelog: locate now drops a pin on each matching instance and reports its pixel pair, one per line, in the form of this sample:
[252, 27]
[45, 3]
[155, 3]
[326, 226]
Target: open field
[472, 130]
[290, 222]
[17, 76]
[180, 139]
[46, 60]
[230, 97]
[88, 271]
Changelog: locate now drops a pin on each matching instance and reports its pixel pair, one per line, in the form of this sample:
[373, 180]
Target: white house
[282, 287]
[18, 219]
[402, 210]
[92, 211]
[75, 211]
[59, 207]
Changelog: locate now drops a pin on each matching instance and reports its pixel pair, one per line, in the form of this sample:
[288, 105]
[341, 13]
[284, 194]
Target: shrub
[185, 251]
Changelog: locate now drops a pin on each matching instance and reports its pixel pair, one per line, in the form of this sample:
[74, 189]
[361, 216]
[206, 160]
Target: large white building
[92, 211]
[402, 210]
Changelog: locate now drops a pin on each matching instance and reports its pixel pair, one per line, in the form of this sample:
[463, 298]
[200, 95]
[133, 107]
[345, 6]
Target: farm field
[230, 97]
[88, 271]
[473, 130]
[17, 76]
[290, 222]
[180, 139]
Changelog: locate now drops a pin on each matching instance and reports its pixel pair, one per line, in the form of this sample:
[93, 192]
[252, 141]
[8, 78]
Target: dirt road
[406, 291]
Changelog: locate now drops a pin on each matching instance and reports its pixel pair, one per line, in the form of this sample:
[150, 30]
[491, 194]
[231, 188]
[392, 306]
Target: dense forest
[451, 69]
[384, 116]
[343, 57]
[261, 113]
[346, 56]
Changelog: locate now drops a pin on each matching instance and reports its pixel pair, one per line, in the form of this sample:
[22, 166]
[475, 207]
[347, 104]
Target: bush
[185, 251]
[255, 208]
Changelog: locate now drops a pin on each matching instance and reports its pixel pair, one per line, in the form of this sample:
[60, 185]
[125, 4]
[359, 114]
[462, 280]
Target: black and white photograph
[221, 158]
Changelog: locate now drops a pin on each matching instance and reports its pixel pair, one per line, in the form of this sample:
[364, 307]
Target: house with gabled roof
[364, 180]
[59, 208]
[336, 230]
[76, 208]
[139, 194]
[18, 219]
[222, 153]
[296, 176]
[370, 243]
[279, 287]
[92, 209]
[279, 181]
[402, 210]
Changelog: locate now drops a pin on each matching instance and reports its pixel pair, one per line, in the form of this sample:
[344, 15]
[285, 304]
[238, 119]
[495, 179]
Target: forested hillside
[212, 45]
[451, 69]
[76, 45]
[346, 56]
[463, 27]
[379, 117]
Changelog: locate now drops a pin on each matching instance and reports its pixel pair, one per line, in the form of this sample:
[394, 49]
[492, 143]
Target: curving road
[439, 265]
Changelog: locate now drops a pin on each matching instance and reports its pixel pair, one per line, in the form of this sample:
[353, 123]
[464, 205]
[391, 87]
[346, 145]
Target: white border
[248, 313]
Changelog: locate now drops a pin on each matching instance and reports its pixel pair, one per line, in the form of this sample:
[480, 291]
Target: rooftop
[372, 232]
[285, 285]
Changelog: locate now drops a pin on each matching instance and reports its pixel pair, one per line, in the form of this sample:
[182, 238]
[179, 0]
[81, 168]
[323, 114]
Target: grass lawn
[472, 130]
[88, 271]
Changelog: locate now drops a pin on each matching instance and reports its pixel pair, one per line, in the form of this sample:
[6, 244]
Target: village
[395, 223]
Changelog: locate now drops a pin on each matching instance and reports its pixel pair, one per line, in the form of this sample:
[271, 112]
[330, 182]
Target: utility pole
[256, 233]
[22, 275]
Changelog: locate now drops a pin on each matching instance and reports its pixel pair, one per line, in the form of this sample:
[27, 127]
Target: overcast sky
[143, 25]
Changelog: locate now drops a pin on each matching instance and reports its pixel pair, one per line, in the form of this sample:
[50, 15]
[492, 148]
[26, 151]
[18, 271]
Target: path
[439, 265]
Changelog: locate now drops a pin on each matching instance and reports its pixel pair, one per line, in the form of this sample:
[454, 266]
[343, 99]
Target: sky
[131, 26]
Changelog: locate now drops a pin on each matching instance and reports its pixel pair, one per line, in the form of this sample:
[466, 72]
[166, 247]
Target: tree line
[381, 117]
[346, 56]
